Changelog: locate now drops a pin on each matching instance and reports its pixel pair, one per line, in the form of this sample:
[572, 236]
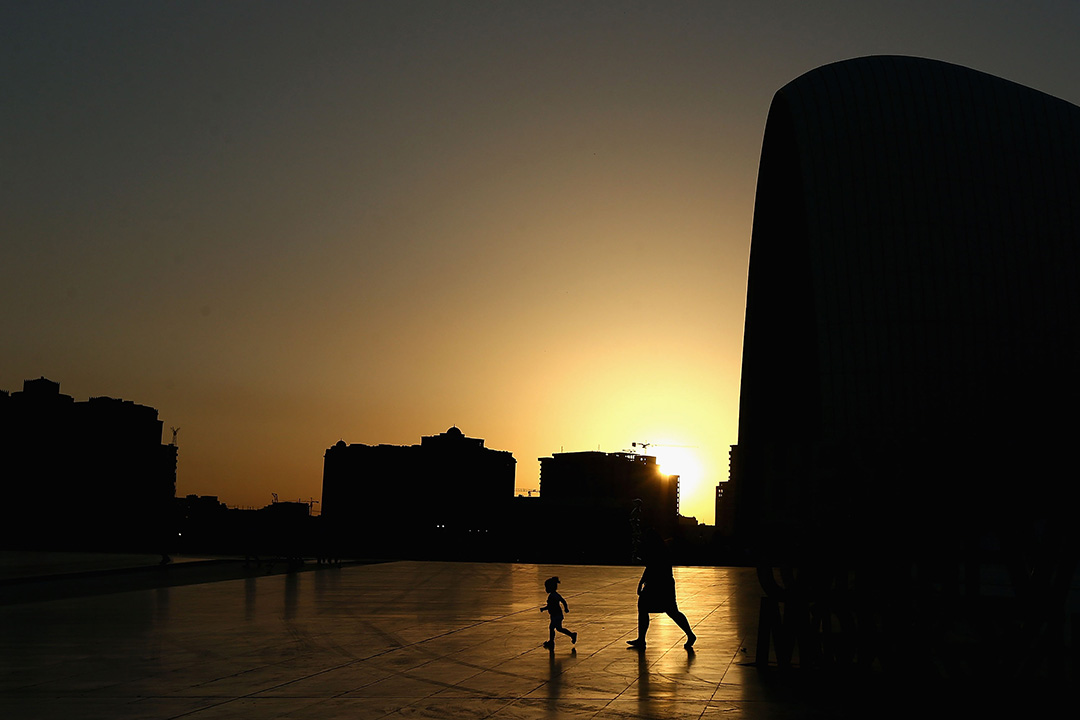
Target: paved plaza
[393, 640]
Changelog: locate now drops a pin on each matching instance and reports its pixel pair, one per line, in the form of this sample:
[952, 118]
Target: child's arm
[563, 601]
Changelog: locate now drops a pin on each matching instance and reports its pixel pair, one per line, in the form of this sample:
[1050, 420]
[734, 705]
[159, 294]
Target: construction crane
[645, 446]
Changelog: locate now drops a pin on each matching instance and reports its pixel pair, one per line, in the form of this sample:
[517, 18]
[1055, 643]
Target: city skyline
[286, 226]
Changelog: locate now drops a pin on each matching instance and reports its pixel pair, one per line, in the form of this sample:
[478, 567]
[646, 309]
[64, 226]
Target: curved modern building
[910, 379]
[912, 338]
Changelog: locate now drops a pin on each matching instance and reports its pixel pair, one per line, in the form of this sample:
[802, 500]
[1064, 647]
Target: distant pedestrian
[656, 592]
[555, 607]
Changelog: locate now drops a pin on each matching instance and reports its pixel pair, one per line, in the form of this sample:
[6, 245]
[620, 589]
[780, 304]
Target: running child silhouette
[555, 612]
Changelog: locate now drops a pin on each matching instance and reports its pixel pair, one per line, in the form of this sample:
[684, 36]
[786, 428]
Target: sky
[288, 224]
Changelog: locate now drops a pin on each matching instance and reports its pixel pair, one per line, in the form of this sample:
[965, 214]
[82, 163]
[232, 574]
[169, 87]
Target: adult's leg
[684, 625]
[642, 628]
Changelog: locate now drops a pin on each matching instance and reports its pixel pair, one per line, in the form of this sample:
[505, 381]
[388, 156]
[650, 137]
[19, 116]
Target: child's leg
[551, 633]
[564, 631]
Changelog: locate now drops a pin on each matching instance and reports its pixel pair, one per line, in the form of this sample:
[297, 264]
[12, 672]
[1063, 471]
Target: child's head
[551, 583]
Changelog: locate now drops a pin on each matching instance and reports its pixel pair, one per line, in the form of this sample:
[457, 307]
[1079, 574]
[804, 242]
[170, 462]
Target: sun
[680, 461]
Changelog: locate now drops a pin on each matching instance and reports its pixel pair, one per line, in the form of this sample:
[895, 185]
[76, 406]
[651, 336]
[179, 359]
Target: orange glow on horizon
[357, 236]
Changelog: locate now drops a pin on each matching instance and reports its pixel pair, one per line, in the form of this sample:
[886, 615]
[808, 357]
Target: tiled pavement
[392, 640]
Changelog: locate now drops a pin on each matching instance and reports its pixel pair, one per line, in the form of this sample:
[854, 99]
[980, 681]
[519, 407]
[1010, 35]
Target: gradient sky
[287, 224]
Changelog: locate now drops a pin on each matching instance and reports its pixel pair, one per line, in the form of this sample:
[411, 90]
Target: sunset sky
[288, 224]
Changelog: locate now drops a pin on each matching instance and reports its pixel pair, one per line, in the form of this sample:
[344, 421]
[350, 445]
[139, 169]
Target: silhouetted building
[282, 530]
[82, 475]
[587, 499]
[725, 501]
[197, 507]
[203, 525]
[721, 508]
[446, 490]
[912, 330]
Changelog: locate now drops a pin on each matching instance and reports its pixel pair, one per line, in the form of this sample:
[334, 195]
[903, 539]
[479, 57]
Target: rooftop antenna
[275, 496]
[174, 431]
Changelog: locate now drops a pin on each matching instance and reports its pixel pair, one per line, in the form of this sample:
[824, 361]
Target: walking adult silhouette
[656, 591]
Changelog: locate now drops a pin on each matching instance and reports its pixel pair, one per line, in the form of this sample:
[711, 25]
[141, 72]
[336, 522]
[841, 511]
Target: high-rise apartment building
[84, 475]
[448, 485]
[599, 500]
